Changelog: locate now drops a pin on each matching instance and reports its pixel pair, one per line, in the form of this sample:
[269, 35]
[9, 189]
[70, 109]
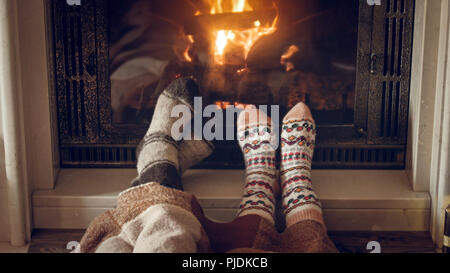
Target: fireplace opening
[348, 60]
[241, 51]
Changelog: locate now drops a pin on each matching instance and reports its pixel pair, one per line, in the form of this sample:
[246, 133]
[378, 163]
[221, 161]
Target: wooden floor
[55, 241]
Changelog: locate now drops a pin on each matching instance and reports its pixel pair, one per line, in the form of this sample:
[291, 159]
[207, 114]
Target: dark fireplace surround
[373, 138]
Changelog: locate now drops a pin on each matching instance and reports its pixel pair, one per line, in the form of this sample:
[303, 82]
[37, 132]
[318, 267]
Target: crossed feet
[163, 160]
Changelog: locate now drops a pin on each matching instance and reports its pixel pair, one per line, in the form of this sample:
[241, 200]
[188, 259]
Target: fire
[223, 105]
[186, 52]
[186, 55]
[287, 55]
[245, 38]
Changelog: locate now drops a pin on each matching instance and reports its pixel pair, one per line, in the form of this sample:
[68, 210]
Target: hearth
[349, 61]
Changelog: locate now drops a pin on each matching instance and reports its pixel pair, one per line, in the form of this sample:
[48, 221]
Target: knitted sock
[160, 158]
[192, 152]
[258, 142]
[298, 134]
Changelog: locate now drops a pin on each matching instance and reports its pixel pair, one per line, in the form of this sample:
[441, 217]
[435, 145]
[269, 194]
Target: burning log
[265, 53]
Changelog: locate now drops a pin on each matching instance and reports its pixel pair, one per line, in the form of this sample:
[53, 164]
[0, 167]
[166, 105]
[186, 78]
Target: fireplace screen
[348, 60]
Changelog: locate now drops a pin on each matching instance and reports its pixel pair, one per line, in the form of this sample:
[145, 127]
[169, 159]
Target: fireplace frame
[376, 139]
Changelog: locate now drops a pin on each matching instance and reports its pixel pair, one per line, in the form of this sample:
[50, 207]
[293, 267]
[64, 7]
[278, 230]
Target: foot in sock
[298, 134]
[159, 157]
[258, 144]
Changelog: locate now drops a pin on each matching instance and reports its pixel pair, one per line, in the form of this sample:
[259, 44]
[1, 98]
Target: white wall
[26, 19]
[36, 95]
[440, 160]
[424, 70]
[4, 221]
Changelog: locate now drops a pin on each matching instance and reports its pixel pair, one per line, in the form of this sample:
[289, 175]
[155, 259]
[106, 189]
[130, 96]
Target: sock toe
[184, 90]
[299, 111]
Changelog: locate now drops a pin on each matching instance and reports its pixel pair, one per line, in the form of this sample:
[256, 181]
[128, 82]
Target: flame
[186, 55]
[223, 105]
[287, 55]
[186, 52]
[244, 39]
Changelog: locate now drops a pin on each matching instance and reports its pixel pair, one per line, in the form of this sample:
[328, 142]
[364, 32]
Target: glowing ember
[243, 70]
[244, 39]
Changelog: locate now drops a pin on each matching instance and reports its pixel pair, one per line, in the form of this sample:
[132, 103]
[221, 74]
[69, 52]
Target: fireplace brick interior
[348, 61]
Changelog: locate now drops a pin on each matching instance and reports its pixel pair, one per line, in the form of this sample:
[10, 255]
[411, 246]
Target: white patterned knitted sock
[300, 202]
[258, 144]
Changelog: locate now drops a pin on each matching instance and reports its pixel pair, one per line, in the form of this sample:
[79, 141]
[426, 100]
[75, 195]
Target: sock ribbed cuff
[308, 212]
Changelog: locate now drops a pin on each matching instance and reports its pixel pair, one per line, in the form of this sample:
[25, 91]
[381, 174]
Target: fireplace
[348, 60]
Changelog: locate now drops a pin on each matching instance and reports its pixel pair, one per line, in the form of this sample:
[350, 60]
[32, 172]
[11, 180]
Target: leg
[151, 217]
[301, 206]
[253, 229]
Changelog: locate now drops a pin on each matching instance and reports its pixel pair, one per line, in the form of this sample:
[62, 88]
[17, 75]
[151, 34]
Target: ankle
[312, 213]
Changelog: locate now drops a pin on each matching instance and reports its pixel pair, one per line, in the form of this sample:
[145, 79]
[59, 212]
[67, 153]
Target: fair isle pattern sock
[258, 142]
[158, 156]
[298, 134]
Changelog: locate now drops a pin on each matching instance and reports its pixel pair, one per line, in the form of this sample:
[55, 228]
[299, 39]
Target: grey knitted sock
[192, 152]
[159, 157]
